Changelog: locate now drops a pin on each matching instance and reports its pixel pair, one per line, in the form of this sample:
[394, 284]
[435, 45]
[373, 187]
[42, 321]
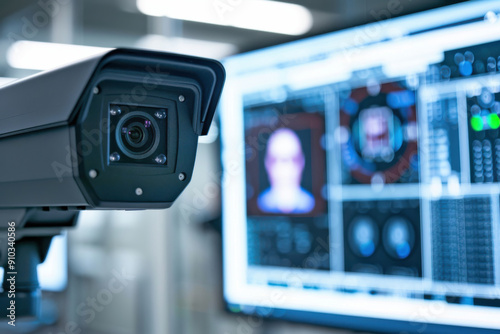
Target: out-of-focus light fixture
[263, 15]
[42, 56]
[187, 46]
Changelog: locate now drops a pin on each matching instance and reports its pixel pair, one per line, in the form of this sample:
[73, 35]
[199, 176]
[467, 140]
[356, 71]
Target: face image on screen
[284, 162]
[285, 183]
[363, 176]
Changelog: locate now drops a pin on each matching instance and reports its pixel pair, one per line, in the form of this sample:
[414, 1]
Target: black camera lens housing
[138, 135]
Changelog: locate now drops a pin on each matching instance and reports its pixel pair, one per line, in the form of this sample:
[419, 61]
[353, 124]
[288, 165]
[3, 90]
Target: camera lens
[138, 135]
[135, 134]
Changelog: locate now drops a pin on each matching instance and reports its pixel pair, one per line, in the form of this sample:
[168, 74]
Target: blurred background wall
[154, 271]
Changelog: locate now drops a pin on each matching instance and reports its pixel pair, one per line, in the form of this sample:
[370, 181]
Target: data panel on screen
[362, 175]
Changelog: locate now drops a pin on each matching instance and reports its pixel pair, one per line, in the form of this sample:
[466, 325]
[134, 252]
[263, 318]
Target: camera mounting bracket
[31, 233]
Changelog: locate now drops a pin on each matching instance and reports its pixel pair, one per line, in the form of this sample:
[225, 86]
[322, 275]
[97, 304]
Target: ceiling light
[271, 16]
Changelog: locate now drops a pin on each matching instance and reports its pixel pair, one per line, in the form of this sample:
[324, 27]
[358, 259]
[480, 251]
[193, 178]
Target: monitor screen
[361, 175]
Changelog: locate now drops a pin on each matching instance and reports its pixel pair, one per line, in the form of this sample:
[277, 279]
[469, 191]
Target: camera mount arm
[24, 244]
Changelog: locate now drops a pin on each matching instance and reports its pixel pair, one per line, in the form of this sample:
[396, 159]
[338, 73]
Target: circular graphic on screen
[381, 138]
[398, 238]
[363, 236]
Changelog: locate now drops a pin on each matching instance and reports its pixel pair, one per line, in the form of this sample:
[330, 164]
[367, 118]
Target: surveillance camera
[117, 131]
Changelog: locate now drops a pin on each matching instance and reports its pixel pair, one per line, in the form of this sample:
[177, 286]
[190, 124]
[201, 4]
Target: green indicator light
[234, 308]
[493, 121]
[477, 123]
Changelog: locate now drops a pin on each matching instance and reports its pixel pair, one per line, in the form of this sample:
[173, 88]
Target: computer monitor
[361, 175]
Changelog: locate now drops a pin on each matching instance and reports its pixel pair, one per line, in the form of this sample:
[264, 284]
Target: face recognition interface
[361, 176]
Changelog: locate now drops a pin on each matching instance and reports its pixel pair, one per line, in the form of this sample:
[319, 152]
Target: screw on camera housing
[93, 173]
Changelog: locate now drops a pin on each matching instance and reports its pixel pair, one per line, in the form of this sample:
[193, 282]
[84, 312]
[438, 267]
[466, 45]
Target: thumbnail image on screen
[363, 176]
[286, 181]
[380, 126]
[283, 178]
